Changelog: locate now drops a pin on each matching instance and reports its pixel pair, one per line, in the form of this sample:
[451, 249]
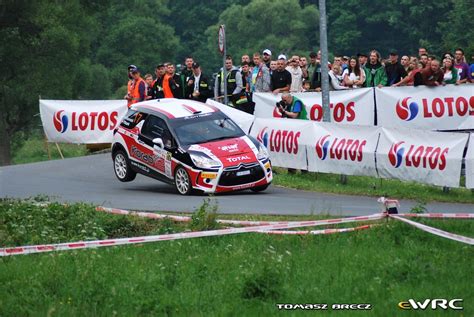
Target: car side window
[132, 118]
[155, 127]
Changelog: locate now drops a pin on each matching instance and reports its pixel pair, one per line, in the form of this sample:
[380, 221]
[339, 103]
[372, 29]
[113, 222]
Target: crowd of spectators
[265, 73]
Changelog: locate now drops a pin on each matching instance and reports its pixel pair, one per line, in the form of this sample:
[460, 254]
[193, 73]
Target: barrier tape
[440, 215]
[315, 232]
[435, 231]
[176, 236]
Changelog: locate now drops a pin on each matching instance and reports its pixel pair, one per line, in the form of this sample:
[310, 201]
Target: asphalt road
[91, 179]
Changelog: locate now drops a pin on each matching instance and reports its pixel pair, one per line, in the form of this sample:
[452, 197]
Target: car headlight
[262, 153]
[203, 161]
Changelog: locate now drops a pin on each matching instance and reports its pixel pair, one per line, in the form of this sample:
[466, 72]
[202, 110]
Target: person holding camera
[291, 107]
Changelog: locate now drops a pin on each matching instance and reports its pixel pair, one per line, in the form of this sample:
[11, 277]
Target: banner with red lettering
[353, 106]
[421, 156]
[343, 149]
[285, 140]
[449, 107]
[470, 163]
[81, 121]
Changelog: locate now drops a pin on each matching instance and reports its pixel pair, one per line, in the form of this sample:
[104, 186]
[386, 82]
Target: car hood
[229, 152]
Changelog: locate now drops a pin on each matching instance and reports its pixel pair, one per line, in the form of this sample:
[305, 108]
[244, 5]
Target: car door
[159, 159]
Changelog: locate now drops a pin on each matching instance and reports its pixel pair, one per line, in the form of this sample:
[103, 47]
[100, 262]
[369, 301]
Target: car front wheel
[182, 181]
[122, 168]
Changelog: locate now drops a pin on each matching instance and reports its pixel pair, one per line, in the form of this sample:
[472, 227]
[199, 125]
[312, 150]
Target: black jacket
[205, 91]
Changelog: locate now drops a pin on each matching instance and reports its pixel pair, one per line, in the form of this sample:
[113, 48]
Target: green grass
[34, 149]
[238, 275]
[370, 186]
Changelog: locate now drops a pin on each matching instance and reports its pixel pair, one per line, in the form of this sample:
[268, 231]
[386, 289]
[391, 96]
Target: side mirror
[158, 142]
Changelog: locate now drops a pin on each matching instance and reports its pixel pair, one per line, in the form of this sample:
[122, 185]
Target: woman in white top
[335, 79]
[353, 75]
[296, 74]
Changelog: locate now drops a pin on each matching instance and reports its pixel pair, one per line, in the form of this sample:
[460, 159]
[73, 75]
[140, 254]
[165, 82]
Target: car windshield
[205, 128]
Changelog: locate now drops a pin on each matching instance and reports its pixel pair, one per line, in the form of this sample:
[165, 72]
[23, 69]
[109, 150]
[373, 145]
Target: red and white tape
[315, 232]
[440, 215]
[177, 236]
[436, 231]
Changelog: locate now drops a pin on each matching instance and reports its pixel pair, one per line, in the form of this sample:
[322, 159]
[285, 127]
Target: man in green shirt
[375, 74]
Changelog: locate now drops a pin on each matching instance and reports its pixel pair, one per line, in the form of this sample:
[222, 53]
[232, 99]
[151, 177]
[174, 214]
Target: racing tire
[259, 188]
[122, 167]
[182, 181]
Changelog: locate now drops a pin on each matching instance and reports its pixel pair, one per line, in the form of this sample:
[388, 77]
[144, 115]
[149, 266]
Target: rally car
[191, 145]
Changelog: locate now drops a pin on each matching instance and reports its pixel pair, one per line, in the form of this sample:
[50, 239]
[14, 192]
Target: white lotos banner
[343, 149]
[354, 106]
[430, 108]
[244, 120]
[470, 163]
[421, 156]
[285, 140]
[81, 121]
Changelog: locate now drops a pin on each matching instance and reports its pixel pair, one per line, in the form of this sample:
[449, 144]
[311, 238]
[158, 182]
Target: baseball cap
[130, 67]
[195, 65]
[281, 56]
[393, 52]
[361, 54]
[133, 70]
[268, 52]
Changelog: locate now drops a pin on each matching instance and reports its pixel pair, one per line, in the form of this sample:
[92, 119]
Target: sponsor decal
[432, 304]
[147, 158]
[60, 121]
[208, 175]
[229, 148]
[237, 158]
[340, 148]
[285, 141]
[81, 121]
[408, 110]
[428, 157]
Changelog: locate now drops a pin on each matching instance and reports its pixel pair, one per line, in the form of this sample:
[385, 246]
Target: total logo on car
[191, 145]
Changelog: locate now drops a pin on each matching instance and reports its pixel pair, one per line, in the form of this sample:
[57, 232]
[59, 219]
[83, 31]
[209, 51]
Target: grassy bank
[241, 275]
[370, 186]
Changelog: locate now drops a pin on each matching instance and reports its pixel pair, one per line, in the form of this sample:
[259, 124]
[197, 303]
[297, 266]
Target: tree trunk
[5, 147]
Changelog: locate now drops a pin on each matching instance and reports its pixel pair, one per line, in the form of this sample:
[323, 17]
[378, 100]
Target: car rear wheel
[122, 168]
[259, 188]
[182, 181]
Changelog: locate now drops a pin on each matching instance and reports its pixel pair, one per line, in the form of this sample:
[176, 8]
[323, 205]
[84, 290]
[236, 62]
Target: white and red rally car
[192, 145]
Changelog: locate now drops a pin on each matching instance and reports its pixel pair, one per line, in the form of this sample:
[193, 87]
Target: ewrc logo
[60, 121]
[407, 110]
[340, 148]
[418, 156]
[263, 137]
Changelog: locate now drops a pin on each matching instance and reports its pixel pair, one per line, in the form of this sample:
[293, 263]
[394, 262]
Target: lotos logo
[322, 147]
[405, 110]
[418, 156]
[395, 154]
[340, 148]
[263, 136]
[60, 121]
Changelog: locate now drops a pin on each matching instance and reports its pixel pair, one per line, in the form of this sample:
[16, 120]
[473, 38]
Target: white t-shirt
[448, 75]
[196, 82]
[296, 78]
[352, 76]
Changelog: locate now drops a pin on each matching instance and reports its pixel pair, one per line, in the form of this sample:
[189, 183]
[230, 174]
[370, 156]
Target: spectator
[335, 78]
[450, 73]
[291, 107]
[424, 60]
[413, 68]
[354, 75]
[157, 86]
[197, 86]
[304, 67]
[267, 57]
[273, 66]
[136, 87]
[260, 76]
[233, 81]
[244, 70]
[395, 71]
[282, 57]
[171, 85]
[314, 71]
[362, 59]
[337, 60]
[375, 75]
[422, 51]
[313, 63]
[245, 59]
[281, 78]
[345, 62]
[186, 73]
[149, 86]
[296, 74]
[432, 75]
[471, 68]
[405, 62]
[462, 67]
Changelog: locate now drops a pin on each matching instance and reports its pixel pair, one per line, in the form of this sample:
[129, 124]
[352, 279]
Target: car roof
[173, 108]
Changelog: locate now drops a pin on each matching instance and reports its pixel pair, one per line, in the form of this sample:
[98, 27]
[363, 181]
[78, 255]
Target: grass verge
[245, 275]
[371, 186]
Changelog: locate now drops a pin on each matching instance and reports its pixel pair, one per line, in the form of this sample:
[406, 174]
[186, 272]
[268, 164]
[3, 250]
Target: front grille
[229, 176]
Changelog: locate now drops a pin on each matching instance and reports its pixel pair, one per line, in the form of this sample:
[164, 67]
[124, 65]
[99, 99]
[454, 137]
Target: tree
[458, 29]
